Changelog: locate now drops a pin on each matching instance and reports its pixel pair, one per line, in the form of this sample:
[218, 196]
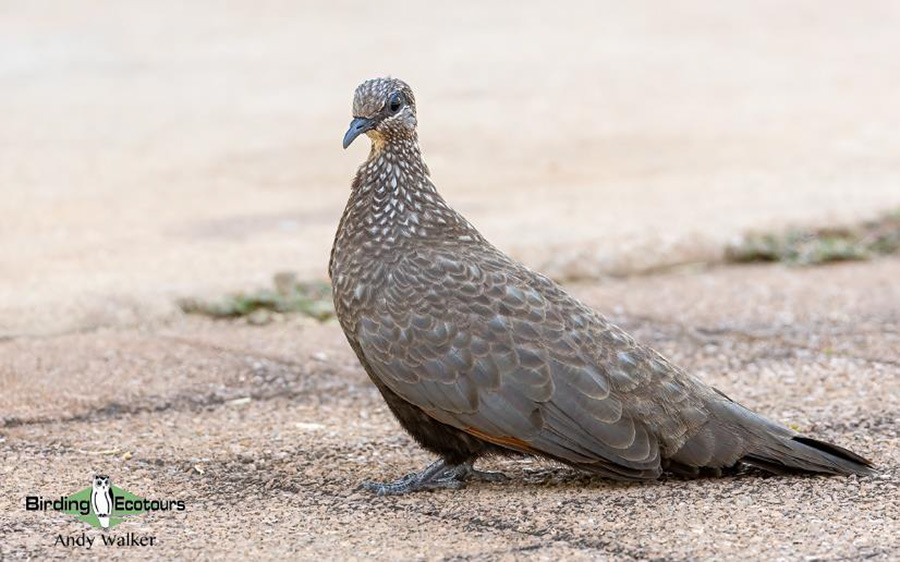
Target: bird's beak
[358, 126]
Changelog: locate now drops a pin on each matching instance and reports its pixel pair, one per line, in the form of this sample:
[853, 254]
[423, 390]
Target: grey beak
[358, 126]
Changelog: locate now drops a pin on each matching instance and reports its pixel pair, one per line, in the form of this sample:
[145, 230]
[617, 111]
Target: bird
[477, 355]
[102, 499]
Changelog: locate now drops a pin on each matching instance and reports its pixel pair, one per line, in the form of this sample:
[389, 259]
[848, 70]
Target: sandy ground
[153, 150]
[265, 432]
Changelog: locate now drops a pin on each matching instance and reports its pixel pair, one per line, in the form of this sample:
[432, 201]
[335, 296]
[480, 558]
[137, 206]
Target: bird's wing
[494, 349]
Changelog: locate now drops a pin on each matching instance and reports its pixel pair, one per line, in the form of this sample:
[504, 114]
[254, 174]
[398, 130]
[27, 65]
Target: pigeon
[476, 354]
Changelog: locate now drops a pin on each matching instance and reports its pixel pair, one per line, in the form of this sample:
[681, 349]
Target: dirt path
[265, 433]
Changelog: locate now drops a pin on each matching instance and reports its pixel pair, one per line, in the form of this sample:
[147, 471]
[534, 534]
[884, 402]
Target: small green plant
[309, 298]
[823, 245]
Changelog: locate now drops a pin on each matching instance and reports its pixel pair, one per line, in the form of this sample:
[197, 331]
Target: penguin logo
[102, 499]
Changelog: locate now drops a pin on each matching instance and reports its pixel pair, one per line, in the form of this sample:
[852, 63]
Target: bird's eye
[396, 102]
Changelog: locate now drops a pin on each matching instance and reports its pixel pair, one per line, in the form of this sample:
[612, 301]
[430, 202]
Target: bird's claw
[438, 475]
[404, 486]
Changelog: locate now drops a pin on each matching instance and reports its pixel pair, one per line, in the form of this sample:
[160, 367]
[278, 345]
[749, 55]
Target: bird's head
[101, 481]
[384, 109]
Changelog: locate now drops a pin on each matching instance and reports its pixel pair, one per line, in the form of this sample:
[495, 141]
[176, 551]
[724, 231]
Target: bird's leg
[467, 471]
[439, 474]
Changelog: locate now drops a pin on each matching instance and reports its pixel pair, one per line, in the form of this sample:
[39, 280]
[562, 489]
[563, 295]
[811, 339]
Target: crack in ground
[286, 373]
[190, 342]
[785, 338]
[496, 553]
[186, 401]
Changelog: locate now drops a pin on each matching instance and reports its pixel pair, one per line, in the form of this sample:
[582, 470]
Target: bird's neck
[394, 204]
[395, 167]
[393, 194]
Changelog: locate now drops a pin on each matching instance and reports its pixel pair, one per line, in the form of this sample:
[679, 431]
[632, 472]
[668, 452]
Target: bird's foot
[438, 475]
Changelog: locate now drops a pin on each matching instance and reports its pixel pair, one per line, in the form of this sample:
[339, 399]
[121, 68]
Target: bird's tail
[777, 449]
[786, 454]
[737, 435]
[104, 521]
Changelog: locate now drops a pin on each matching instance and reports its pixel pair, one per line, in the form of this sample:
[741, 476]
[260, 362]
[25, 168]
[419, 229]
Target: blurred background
[159, 150]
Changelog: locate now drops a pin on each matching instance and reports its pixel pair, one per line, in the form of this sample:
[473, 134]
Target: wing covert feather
[494, 349]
